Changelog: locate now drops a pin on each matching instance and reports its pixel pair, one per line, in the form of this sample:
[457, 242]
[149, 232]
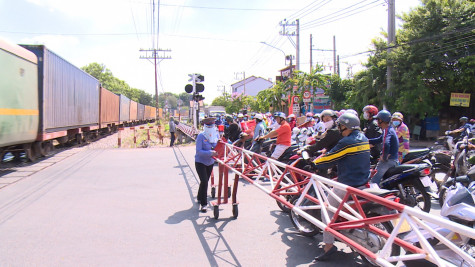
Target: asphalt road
[137, 207]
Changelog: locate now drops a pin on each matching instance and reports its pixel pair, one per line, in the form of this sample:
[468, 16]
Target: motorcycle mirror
[305, 155]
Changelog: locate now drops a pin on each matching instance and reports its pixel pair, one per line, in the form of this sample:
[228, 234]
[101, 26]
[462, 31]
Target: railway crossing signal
[195, 88]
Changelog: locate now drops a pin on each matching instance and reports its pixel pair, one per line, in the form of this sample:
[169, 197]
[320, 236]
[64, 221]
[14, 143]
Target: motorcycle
[410, 180]
[459, 206]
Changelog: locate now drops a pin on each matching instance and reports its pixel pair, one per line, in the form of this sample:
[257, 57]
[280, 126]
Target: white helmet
[259, 116]
[240, 115]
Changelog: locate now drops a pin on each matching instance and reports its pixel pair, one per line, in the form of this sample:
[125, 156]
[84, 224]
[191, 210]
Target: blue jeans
[381, 169]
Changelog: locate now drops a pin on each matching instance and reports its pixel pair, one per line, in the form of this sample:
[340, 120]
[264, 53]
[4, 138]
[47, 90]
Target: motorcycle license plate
[426, 181]
[405, 227]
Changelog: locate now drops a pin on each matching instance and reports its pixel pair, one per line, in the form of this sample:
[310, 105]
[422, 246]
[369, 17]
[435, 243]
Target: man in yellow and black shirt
[352, 157]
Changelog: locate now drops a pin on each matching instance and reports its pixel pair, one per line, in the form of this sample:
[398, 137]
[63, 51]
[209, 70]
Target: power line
[313, 9]
[336, 12]
[340, 16]
[224, 8]
[416, 41]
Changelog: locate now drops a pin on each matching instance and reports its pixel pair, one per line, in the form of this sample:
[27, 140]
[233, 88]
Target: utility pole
[391, 41]
[311, 46]
[285, 32]
[153, 54]
[334, 55]
[298, 46]
[335, 63]
[243, 79]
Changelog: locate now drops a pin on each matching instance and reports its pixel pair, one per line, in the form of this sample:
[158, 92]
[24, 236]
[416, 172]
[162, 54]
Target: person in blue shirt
[390, 142]
[463, 129]
[351, 155]
[206, 141]
[259, 131]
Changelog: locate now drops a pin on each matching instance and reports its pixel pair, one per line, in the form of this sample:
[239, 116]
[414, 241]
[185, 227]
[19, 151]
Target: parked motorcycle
[459, 206]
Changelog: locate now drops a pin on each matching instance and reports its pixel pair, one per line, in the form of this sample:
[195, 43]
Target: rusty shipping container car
[133, 111]
[109, 110]
[68, 96]
[124, 110]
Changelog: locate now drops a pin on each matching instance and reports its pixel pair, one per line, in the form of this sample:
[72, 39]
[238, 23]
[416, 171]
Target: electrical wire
[334, 13]
[340, 16]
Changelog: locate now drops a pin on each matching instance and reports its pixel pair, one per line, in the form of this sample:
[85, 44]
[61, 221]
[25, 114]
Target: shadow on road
[207, 228]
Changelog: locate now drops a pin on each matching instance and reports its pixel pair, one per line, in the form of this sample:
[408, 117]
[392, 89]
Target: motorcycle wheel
[417, 196]
[442, 196]
[303, 226]
[395, 250]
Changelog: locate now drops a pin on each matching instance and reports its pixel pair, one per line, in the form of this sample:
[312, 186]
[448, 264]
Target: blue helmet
[383, 115]
[280, 114]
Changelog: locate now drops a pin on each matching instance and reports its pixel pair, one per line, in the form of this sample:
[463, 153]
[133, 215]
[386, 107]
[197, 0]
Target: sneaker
[203, 208]
[326, 255]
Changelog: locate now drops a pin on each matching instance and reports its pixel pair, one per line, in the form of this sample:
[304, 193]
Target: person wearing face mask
[389, 140]
[206, 141]
[292, 121]
[330, 137]
[351, 155]
[372, 130]
[402, 132]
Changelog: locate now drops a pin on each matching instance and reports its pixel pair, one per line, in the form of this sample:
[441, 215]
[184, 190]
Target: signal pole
[153, 54]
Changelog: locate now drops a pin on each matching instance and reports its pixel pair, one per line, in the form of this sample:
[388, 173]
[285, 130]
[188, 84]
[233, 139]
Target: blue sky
[211, 37]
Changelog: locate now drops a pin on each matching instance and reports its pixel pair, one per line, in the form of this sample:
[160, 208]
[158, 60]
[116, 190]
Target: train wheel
[42, 148]
[30, 153]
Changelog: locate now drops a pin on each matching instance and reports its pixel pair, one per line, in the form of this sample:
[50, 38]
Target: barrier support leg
[225, 188]
[235, 187]
[213, 186]
[220, 187]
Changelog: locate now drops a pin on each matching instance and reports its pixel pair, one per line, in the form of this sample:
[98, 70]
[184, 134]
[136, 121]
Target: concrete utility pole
[391, 41]
[334, 55]
[311, 46]
[243, 79]
[297, 53]
[335, 62]
[285, 32]
[153, 54]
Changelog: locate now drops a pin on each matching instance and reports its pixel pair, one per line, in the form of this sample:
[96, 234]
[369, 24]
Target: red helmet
[372, 110]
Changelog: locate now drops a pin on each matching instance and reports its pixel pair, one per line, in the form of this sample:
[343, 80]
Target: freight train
[45, 98]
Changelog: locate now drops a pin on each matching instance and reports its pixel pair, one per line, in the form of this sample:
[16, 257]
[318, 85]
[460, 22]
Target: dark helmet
[349, 120]
[372, 110]
[383, 115]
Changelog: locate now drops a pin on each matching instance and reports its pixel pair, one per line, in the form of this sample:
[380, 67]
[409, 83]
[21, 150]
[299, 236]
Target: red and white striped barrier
[119, 138]
[287, 180]
[190, 131]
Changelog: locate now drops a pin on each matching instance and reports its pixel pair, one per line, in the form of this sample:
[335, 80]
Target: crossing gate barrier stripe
[285, 180]
[190, 131]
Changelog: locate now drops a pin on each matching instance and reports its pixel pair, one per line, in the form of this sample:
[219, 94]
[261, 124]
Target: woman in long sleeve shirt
[205, 143]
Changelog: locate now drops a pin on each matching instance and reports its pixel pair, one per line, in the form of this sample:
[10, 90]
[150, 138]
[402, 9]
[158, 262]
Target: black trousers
[204, 172]
[172, 138]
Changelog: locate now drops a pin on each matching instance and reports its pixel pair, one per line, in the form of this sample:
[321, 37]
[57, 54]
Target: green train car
[19, 113]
